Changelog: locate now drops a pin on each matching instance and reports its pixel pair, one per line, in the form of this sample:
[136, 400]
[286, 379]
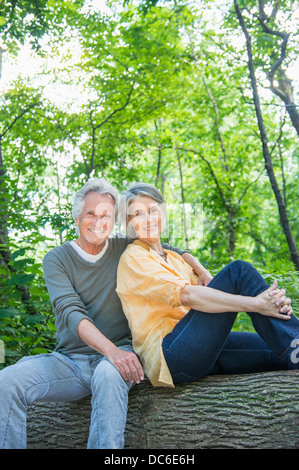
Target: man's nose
[98, 221]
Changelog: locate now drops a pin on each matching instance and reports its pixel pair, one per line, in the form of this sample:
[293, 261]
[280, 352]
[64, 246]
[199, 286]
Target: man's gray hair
[139, 189]
[98, 185]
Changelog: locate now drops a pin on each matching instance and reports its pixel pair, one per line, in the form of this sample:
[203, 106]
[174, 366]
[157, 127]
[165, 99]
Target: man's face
[96, 219]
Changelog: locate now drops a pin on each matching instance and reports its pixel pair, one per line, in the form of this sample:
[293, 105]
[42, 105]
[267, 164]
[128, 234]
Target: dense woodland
[196, 97]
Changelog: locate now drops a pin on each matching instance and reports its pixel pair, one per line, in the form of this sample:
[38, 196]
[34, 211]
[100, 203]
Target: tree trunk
[229, 412]
[285, 92]
[284, 219]
[183, 199]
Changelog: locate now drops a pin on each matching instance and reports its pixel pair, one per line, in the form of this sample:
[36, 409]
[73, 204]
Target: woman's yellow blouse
[149, 289]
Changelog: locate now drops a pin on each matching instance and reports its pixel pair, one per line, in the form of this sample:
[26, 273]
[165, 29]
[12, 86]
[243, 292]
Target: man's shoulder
[118, 242]
[57, 252]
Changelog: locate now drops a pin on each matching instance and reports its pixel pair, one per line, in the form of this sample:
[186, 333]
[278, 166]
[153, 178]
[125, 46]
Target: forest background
[196, 97]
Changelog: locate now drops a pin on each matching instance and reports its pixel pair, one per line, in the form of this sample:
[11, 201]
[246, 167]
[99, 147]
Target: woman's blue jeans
[203, 344]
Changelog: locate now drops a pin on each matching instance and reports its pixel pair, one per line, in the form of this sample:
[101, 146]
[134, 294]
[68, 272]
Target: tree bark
[218, 412]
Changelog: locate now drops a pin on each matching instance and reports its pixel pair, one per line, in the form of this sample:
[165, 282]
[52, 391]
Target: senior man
[94, 354]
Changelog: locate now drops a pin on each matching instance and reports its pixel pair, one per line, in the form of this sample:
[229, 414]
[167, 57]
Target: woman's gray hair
[98, 185]
[139, 189]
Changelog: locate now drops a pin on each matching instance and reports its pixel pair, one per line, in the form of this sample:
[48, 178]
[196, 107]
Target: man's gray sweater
[80, 289]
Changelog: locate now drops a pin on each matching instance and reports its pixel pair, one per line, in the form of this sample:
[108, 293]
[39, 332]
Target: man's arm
[126, 362]
[204, 276]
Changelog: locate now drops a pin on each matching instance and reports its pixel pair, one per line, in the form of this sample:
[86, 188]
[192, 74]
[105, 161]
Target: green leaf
[32, 319]
[8, 312]
[20, 280]
[18, 253]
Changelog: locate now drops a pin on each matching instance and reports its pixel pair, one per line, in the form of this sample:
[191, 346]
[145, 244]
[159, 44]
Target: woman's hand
[283, 301]
[274, 303]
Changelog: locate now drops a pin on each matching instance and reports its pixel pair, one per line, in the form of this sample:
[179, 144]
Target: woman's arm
[211, 300]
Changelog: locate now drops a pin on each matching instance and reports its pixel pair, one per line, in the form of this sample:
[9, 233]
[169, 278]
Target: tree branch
[17, 118]
[117, 110]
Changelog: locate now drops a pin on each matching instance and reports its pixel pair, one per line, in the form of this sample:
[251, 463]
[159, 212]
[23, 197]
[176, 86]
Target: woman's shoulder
[174, 254]
[136, 248]
[134, 257]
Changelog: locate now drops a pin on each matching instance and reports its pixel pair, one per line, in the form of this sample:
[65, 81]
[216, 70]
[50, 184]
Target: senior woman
[181, 330]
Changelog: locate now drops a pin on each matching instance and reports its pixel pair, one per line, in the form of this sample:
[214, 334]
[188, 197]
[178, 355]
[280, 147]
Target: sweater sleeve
[166, 246]
[66, 303]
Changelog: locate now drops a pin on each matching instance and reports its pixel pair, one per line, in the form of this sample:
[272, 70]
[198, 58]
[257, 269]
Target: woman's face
[145, 217]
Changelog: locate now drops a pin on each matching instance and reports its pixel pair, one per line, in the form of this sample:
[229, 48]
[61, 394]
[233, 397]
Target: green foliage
[19, 18]
[31, 20]
[26, 326]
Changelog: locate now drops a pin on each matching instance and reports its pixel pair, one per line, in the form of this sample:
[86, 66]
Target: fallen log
[218, 412]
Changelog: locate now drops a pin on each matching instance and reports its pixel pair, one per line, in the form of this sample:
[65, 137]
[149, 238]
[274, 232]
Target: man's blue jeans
[56, 377]
[203, 344]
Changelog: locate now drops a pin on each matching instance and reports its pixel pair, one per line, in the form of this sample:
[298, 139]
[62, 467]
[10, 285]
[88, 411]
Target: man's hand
[127, 364]
[204, 277]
